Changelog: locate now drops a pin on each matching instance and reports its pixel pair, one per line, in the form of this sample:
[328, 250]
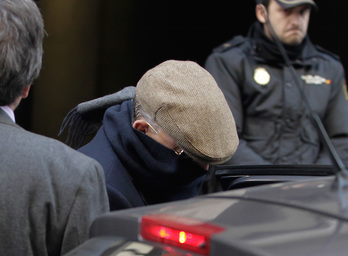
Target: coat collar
[5, 119]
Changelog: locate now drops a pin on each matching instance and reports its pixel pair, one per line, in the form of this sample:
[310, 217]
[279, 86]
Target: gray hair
[21, 36]
[139, 112]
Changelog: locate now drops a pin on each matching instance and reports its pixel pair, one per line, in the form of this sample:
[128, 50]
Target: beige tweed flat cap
[184, 99]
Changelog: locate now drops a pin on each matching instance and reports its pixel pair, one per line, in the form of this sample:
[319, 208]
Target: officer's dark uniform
[272, 120]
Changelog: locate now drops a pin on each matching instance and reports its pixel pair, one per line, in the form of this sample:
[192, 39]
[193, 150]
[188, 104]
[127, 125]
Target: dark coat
[139, 170]
[272, 120]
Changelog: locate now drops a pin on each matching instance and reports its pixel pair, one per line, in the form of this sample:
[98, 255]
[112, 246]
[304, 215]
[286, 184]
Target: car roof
[317, 194]
[321, 195]
[278, 219]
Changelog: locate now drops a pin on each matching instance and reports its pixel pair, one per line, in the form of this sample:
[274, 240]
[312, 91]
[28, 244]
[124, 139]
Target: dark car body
[298, 213]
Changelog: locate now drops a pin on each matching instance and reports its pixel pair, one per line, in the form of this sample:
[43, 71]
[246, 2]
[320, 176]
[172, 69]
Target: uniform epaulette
[322, 50]
[235, 41]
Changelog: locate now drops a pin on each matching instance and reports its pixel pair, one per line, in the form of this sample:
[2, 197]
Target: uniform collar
[268, 51]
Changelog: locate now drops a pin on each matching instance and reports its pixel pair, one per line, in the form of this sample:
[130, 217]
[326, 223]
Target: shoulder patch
[322, 50]
[230, 44]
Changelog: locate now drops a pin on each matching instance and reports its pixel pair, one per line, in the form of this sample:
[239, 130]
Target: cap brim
[290, 4]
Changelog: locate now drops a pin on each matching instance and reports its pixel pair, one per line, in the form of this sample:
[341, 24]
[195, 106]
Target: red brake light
[188, 234]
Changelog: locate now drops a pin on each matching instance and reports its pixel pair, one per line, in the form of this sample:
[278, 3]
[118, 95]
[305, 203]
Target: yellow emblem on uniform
[261, 76]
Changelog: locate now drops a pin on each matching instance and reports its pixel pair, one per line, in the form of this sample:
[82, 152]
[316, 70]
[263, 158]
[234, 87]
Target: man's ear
[25, 92]
[141, 125]
[23, 95]
[261, 11]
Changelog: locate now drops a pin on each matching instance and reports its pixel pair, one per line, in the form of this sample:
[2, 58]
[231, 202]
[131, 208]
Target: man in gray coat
[49, 193]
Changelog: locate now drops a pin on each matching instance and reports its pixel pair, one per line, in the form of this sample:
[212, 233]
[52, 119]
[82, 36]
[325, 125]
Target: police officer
[272, 120]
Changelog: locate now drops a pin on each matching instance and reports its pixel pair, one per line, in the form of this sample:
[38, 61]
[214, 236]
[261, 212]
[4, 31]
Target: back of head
[21, 35]
[184, 99]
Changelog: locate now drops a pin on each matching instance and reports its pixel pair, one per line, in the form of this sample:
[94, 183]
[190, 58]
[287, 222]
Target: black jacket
[272, 120]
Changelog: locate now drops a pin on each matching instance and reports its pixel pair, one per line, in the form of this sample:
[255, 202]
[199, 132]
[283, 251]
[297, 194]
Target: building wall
[94, 48]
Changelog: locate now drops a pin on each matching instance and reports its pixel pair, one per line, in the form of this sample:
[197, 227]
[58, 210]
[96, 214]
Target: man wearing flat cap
[156, 146]
[262, 87]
